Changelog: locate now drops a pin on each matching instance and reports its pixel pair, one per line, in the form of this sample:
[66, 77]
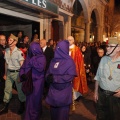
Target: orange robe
[80, 82]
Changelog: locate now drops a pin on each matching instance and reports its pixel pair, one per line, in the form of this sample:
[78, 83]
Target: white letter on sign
[33, 2]
[44, 3]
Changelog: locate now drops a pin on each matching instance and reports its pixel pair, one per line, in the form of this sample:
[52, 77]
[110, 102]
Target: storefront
[26, 15]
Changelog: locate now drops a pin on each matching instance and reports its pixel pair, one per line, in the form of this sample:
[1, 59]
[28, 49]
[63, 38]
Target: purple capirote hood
[62, 50]
[62, 63]
[35, 49]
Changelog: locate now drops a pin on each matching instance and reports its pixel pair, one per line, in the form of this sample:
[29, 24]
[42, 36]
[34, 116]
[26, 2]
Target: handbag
[27, 84]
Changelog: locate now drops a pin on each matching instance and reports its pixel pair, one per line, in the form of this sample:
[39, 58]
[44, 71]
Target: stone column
[69, 26]
[98, 32]
[41, 28]
[46, 24]
[101, 34]
[65, 29]
[87, 32]
[49, 28]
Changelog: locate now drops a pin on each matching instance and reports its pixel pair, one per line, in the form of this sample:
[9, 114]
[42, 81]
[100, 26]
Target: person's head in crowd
[26, 39]
[23, 46]
[96, 44]
[3, 40]
[43, 43]
[35, 36]
[12, 40]
[20, 34]
[50, 42]
[83, 48]
[113, 47]
[71, 40]
[100, 52]
[103, 43]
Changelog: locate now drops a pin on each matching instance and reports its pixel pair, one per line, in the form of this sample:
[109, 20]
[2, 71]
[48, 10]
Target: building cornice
[65, 12]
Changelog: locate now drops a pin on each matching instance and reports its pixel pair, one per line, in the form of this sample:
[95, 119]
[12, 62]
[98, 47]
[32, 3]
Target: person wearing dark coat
[60, 74]
[97, 59]
[36, 61]
[87, 61]
[49, 54]
[20, 38]
[3, 46]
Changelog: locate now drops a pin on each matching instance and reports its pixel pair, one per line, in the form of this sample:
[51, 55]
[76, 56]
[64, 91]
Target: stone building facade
[57, 19]
[88, 7]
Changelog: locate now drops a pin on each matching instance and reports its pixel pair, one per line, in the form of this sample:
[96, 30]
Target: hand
[117, 94]
[95, 96]
[4, 77]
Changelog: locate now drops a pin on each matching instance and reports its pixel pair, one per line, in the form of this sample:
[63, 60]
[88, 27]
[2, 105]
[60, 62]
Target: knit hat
[113, 40]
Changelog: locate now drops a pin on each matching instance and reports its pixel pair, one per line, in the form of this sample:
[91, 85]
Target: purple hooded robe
[35, 60]
[63, 69]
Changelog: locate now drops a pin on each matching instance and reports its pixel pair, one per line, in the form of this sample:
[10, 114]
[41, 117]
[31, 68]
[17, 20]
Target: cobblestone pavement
[85, 108]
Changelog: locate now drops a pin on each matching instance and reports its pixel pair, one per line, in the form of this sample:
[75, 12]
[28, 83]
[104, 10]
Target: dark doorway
[55, 30]
[10, 24]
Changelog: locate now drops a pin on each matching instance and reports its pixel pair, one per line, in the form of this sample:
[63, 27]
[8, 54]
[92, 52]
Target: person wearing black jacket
[97, 59]
[87, 61]
[3, 46]
[49, 54]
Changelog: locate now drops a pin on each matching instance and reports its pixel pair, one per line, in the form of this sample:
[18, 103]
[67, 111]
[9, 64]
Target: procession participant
[107, 86]
[61, 76]
[14, 60]
[35, 62]
[79, 82]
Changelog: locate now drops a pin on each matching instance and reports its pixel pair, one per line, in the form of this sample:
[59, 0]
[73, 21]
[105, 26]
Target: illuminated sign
[46, 4]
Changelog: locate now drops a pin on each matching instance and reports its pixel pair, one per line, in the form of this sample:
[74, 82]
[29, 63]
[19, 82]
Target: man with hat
[14, 60]
[107, 86]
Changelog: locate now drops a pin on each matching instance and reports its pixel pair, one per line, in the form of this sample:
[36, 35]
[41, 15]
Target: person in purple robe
[60, 74]
[35, 60]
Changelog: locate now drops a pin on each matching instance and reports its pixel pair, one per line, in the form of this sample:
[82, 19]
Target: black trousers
[108, 107]
[2, 87]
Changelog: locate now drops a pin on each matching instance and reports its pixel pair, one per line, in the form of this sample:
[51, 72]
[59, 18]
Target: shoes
[4, 108]
[22, 108]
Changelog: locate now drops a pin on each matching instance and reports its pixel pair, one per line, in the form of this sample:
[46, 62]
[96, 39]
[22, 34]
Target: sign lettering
[40, 3]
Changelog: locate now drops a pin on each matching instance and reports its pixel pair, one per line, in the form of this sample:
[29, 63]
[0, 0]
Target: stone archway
[86, 21]
[79, 20]
[85, 10]
[95, 23]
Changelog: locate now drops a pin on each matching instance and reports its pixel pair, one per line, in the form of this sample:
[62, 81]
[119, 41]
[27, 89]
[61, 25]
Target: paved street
[85, 109]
